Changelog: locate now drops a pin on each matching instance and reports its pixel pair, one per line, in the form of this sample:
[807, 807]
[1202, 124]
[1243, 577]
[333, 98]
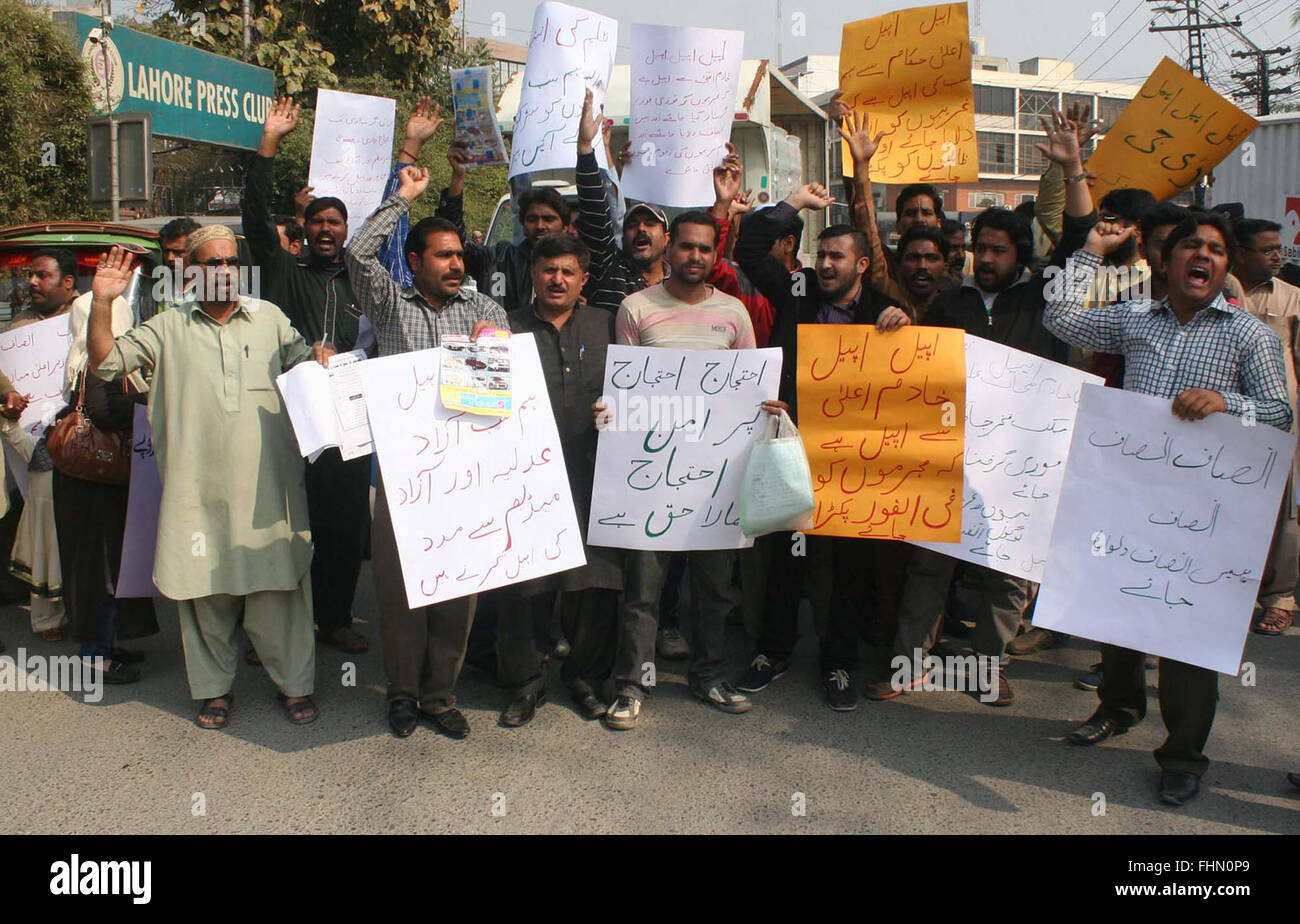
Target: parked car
[87, 240]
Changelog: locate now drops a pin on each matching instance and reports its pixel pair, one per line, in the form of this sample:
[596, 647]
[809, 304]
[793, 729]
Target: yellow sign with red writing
[882, 418]
[1175, 131]
[909, 71]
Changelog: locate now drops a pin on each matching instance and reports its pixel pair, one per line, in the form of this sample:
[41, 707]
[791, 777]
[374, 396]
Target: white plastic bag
[777, 492]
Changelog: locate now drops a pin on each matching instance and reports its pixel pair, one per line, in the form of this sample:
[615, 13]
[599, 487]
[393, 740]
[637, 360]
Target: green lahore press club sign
[188, 93]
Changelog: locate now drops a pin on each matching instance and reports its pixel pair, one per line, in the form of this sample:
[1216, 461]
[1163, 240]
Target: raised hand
[301, 199]
[811, 196]
[1084, 124]
[743, 203]
[1062, 145]
[282, 119]
[113, 275]
[412, 182]
[459, 157]
[837, 108]
[727, 176]
[589, 124]
[857, 132]
[422, 124]
[1105, 237]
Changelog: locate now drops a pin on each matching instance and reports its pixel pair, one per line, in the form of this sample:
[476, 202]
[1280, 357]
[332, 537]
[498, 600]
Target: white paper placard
[1163, 528]
[670, 464]
[476, 502]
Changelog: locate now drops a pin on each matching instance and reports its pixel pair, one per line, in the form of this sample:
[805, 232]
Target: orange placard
[909, 71]
[1175, 131]
[882, 418]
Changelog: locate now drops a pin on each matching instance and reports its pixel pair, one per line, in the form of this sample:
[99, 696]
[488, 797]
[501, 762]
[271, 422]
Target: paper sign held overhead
[570, 50]
[476, 121]
[910, 72]
[1175, 131]
[352, 150]
[683, 93]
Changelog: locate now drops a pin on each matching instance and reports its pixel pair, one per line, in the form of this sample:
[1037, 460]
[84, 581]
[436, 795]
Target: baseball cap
[655, 212]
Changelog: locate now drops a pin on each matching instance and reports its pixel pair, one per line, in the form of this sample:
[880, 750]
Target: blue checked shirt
[403, 320]
[1222, 348]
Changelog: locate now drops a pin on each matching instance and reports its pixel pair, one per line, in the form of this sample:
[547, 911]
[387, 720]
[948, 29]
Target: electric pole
[1193, 25]
[1257, 81]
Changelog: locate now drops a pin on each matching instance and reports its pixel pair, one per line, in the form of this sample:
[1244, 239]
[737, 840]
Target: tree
[44, 104]
[317, 43]
[485, 186]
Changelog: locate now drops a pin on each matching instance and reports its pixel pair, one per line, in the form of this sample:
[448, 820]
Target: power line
[1100, 45]
[1087, 32]
[1097, 69]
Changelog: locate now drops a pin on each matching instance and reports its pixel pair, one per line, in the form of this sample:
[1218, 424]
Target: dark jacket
[483, 261]
[1017, 316]
[754, 254]
[573, 364]
[303, 290]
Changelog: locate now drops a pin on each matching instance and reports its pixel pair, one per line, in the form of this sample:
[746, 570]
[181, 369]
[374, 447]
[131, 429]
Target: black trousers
[866, 590]
[590, 620]
[1189, 696]
[338, 506]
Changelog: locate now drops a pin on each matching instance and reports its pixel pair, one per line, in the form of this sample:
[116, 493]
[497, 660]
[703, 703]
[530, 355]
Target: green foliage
[318, 43]
[482, 188]
[399, 49]
[44, 97]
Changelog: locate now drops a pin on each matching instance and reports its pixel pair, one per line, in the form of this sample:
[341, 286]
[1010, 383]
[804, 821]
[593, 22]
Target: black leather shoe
[521, 711]
[1178, 788]
[402, 717]
[590, 707]
[1292, 778]
[450, 722]
[1098, 728]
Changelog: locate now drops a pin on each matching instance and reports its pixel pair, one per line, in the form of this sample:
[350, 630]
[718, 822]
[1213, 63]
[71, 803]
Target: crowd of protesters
[285, 540]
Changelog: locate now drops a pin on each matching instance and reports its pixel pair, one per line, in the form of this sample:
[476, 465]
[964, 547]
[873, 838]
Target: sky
[1014, 29]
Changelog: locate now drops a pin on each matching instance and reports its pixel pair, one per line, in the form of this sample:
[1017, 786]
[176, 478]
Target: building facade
[1008, 106]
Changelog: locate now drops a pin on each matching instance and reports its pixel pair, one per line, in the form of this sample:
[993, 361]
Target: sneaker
[1033, 641]
[841, 694]
[1091, 680]
[624, 712]
[672, 645]
[761, 671]
[724, 696]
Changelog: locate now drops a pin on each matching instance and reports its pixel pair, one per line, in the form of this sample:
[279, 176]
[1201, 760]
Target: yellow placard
[909, 71]
[1173, 132]
[882, 418]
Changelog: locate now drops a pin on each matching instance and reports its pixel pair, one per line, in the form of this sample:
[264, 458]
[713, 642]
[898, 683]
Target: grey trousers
[424, 648]
[925, 592]
[1283, 567]
[278, 623]
[714, 596]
